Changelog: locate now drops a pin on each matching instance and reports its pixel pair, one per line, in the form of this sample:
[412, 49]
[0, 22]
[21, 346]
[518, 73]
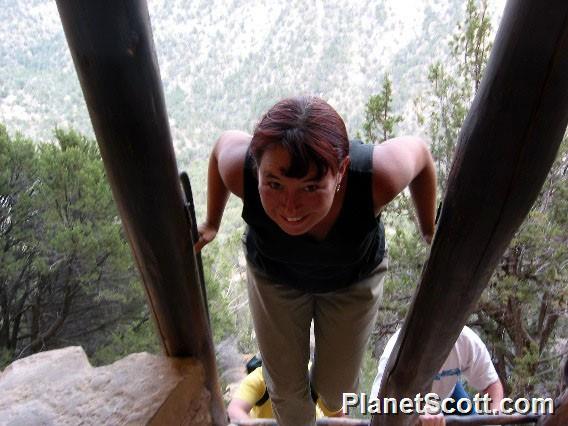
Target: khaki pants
[343, 322]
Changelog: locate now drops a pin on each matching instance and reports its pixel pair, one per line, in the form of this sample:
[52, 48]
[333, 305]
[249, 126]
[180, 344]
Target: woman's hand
[432, 420]
[225, 175]
[207, 234]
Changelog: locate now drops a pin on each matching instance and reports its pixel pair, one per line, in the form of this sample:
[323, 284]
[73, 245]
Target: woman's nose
[290, 202]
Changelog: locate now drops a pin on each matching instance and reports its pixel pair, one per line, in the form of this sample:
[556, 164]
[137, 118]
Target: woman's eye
[310, 188]
[274, 185]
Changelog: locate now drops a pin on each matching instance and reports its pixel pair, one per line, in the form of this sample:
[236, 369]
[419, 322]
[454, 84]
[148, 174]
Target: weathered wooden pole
[113, 52]
[450, 421]
[506, 148]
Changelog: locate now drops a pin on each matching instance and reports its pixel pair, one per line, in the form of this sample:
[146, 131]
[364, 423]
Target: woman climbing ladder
[314, 243]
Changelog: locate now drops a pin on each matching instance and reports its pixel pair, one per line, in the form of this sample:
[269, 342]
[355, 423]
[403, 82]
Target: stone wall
[60, 387]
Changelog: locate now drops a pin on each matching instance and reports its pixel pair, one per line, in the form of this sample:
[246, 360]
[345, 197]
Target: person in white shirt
[469, 358]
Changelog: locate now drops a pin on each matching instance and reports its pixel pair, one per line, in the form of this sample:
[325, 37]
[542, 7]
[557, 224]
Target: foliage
[367, 375]
[520, 312]
[527, 298]
[224, 267]
[404, 245]
[222, 277]
[129, 338]
[521, 315]
[453, 84]
[66, 273]
[263, 51]
[472, 44]
[379, 120]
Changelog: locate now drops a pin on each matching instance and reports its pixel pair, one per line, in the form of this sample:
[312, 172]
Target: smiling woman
[298, 205]
[301, 150]
[314, 243]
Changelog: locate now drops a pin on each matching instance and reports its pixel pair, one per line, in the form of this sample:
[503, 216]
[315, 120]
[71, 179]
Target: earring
[338, 187]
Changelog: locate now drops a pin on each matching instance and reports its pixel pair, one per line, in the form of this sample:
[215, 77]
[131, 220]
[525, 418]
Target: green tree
[472, 44]
[454, 82]
[379, 118]
[521, 313]
[446, 114]
[131, 337]
[406, 251]
[524, 309]
[18, 245]
[67, 274]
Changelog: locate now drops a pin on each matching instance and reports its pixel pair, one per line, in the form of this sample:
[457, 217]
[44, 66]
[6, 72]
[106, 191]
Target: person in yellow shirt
[251, 401]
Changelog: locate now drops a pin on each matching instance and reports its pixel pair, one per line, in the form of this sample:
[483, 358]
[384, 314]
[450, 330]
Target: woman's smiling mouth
[294, 219]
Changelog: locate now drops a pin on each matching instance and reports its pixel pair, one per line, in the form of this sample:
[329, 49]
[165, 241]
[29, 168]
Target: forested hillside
[66, 272]
[224, 62]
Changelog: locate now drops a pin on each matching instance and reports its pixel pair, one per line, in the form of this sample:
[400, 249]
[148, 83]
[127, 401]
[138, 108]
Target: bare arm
[224, 176]
[238, 409]
[495, 392]
[401, 162]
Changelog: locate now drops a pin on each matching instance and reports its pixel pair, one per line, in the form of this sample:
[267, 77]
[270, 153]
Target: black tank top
[354, 246]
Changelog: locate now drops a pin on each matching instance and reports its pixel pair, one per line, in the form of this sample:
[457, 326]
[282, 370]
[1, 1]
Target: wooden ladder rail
[482, 420]
[113, 52]
[505, 150]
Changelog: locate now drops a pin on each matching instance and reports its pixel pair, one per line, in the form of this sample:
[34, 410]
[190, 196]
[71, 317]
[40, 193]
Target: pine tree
[66, 272]
[380, 121]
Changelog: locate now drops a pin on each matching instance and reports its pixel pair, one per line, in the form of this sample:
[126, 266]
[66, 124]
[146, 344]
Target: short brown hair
[309, 129]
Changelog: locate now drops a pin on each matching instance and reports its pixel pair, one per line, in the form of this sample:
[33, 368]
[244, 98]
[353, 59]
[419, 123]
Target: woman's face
[295, 204]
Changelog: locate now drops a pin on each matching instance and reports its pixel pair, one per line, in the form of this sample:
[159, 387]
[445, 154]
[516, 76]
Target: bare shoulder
[395, 163]
[230, 151]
